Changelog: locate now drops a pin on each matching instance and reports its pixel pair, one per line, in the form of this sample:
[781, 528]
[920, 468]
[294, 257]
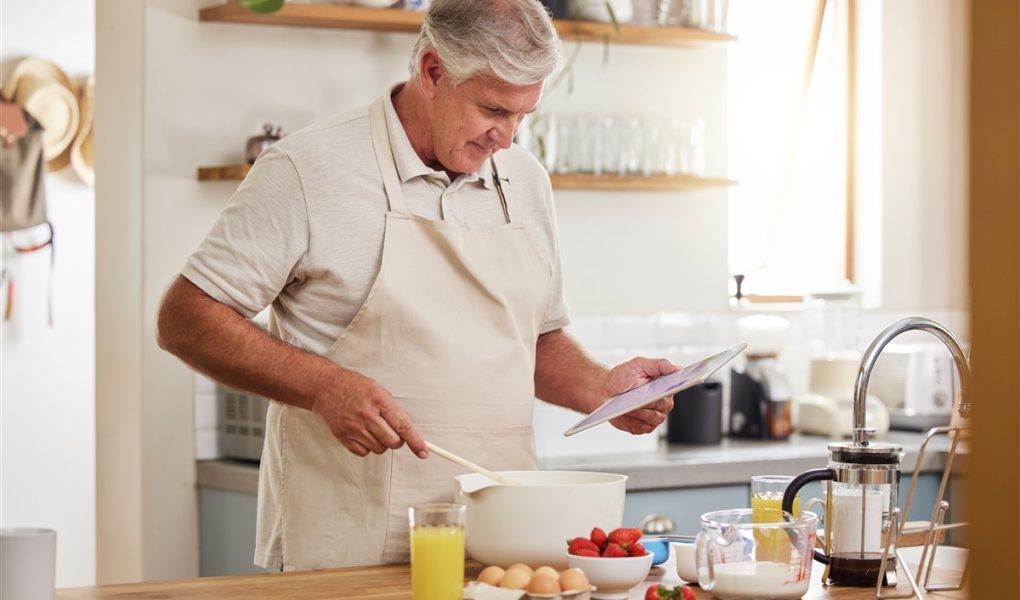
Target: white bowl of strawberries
[615, 563]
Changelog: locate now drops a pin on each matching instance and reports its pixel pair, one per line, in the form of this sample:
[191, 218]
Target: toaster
[917, 382]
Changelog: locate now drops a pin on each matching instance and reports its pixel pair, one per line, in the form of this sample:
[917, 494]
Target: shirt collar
[409, 164]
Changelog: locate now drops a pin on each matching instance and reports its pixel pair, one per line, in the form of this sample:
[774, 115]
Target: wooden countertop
[389, 582]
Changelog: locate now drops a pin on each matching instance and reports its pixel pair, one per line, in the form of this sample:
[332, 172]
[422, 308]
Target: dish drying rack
[921, 578]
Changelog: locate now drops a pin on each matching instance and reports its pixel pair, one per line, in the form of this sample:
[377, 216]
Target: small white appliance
[917, 379]
[828, 407]
[833, 416]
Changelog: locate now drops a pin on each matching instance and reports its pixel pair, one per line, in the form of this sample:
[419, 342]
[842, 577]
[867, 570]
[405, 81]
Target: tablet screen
[659, 387]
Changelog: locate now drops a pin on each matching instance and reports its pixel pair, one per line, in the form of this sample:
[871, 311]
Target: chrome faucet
[861, 433]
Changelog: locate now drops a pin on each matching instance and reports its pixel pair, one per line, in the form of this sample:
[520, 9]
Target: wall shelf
[397, 20]
[637, 183]
[562, 182]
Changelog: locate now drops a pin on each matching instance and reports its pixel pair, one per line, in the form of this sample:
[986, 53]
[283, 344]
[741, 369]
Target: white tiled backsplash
[682, 337]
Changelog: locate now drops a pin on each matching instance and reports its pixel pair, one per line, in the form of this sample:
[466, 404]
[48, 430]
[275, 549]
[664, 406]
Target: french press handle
[791, 493]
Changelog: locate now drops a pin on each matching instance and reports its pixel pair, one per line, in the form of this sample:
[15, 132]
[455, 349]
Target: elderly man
[409, 253]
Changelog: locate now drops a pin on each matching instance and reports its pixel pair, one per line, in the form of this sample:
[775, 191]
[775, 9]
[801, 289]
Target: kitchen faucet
[861, 433]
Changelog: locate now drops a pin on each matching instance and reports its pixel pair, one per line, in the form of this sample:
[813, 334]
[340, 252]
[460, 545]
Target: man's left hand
[629, 375]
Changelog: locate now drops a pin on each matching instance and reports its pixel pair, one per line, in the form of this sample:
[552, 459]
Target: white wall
[47, 414]
[924, 154]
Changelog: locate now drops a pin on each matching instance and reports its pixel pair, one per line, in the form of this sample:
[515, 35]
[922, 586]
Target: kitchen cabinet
[226, 521]
[402, 21]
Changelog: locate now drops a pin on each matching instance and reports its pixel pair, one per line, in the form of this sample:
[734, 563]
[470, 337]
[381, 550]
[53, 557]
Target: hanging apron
[449, 328]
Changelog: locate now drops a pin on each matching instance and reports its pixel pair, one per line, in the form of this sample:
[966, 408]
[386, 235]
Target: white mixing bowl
[531, 522]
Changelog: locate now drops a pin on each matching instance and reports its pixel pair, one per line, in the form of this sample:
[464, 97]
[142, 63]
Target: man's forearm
[215, 340]
[565, 375]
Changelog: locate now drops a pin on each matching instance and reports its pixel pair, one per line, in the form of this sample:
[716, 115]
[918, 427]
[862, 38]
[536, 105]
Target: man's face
[473, 120]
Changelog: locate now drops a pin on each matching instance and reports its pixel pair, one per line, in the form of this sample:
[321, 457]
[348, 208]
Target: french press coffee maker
[861, 491]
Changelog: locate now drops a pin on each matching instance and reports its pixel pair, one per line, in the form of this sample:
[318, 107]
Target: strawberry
[587, 552]
[624, 535]
[598, 537]
[577, 544]
[661, 592]
[636, 549]
[614, 551]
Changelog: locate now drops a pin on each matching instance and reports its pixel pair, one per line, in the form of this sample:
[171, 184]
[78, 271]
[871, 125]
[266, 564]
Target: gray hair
[512, 40]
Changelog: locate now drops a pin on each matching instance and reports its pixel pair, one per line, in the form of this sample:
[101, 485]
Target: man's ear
[430, 72]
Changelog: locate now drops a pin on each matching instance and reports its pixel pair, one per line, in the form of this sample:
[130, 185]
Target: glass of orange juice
[767, 507]
[437, 551]
[767, 497]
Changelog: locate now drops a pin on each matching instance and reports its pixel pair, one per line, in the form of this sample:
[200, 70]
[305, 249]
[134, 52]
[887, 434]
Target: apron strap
[499, 188]
[384, 156]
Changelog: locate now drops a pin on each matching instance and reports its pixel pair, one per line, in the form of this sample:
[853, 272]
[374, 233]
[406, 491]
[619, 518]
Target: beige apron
[449, 328]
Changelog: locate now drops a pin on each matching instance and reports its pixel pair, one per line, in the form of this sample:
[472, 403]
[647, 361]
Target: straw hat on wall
[81, 148]
[45, 91]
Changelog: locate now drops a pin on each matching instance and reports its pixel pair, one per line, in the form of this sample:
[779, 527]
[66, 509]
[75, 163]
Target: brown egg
[520, 566]
[491, 575]
[574, 579]
[543, 583]
[548, 571]
[515, 579]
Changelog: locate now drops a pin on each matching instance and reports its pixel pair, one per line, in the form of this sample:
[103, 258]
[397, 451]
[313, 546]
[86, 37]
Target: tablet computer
[660, 387]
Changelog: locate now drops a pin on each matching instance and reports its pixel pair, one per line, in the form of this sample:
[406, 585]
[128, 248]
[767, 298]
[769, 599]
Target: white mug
[27, 563]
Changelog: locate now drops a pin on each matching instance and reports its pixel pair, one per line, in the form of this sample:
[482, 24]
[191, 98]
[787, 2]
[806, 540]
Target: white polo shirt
[304, 231]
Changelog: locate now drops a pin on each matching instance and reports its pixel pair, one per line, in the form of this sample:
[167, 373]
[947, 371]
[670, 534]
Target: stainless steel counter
[671, 466]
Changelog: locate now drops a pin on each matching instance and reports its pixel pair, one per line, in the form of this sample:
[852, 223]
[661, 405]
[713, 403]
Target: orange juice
[768, 509]
[437, 562]
[772, 544]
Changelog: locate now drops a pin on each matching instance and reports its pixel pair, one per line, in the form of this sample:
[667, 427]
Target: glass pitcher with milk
[861, 491]
[741, 558]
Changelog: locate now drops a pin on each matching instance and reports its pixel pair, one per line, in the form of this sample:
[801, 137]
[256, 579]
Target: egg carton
[477, 590]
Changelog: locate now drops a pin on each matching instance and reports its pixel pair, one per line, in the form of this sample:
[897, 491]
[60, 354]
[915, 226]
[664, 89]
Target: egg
[543, 583]
[515, 579]
[573, 580]
[491, 575]
[548, 571]
[520, 566]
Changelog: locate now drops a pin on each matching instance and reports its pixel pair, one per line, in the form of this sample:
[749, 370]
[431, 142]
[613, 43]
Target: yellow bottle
[437, 562]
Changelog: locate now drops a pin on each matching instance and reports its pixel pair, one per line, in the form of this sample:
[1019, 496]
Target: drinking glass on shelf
[609, 146]
[437, 551]
[697, 146]
[718, 16]
[564, 144]
[543, 140]
[584, 135]
[661, 153]
[645, 12]
[631, 145]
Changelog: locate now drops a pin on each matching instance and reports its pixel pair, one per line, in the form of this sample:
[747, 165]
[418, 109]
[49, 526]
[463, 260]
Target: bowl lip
[648, 557]
[609, 479]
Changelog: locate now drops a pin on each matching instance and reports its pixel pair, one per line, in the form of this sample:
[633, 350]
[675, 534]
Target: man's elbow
[165, 329]
[169, 319]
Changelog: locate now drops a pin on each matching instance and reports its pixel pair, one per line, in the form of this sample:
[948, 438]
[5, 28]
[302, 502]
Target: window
[789, 230]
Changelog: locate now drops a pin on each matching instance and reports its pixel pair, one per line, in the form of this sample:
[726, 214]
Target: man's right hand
[364, 416]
